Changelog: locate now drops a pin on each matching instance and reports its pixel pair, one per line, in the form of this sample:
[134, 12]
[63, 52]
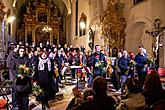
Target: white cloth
[41, 64]
[64, 70]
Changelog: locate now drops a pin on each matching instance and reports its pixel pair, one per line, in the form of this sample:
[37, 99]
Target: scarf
[41, 64]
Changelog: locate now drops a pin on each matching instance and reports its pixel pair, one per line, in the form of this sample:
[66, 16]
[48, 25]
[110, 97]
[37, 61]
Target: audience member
[133, 99]
[152, 89]
[76, 100]
[100, 101]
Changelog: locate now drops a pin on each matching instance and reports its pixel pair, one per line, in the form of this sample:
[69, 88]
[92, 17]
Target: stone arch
[135, 35]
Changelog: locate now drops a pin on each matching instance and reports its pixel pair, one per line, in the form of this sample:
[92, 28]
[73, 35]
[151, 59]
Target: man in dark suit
[98, 62]
[12, 71]
[141, 66]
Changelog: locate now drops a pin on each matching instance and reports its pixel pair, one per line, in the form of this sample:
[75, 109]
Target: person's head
[132, 56]
[59, 51]
[65, 46]
[43, 55]
[141, 50]
[88, 94]
[26, 44]
[47, 43]
[21, 51]
[54, 49]
[153, 82]
[30, 54]
[102, 51]
[59, 46]
[77, 92]
[38, 50]
[120, 54]
[16, 48]
[97, 48]
[41, 45]
[99, 85]
[133, 86]
[125, 53]
[62, 50]
[68, 49]
[152, 71]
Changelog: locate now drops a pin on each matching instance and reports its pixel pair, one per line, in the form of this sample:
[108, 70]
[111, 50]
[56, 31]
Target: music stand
[76, 67]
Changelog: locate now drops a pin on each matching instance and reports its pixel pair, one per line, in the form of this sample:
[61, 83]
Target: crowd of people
[46, 64]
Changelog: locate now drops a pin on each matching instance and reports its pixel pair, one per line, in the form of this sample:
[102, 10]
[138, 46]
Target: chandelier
[46, 29]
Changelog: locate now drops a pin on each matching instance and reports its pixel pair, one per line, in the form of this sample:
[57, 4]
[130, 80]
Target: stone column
[2, 14]
[73, 20]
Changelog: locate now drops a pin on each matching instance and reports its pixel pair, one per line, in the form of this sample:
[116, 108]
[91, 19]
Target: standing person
[123, 64]
[71, 61]
[141, 66]
[23, 83]
[12, 71]
[83, 62]
[98, 62]
[44, 67]
[89, 69]
[60, 62]
[132, 65]
[48, 46]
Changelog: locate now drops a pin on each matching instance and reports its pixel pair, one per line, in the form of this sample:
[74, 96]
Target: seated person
[153, 90]
[100, 100]
[88, 95]
[76, 100]
[133, 99]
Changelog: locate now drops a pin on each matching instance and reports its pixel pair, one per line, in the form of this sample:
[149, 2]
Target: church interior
[121, 24]
[115, 25]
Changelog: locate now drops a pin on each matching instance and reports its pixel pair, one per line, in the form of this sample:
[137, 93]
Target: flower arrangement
[133, 63]
[150, 60]
[23, 70]
[36, 89]
[99, 64]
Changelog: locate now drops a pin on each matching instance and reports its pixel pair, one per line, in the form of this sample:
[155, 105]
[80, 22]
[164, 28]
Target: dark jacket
[23, 86]
[11, 65]
[97, 70]
[123, 64]
[99, 103]
[141, 61]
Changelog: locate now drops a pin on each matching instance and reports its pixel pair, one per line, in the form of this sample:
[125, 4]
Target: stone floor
[65, 95]
[62, 99]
